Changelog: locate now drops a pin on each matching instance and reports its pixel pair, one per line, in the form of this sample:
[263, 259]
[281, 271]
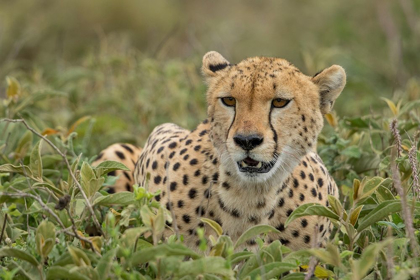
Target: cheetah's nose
[248, 142]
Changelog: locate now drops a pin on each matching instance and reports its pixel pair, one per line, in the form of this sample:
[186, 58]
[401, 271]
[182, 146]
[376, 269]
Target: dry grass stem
[412, 156]
[406, 213]
[394, 129]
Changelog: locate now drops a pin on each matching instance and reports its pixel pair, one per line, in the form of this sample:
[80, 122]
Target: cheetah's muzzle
[249, 165]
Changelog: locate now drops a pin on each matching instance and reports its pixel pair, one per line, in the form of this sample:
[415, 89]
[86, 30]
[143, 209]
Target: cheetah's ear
[213, 65]
[330, 82]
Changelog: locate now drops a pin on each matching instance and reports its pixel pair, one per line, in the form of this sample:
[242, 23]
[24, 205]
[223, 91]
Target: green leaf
[254, 232]
[23, 170]
[352, 152]
[79, 257]
[107, 166]
[368, 258]
[381, 211]
[87, 175]
[214, 225]
[368, 187]
[383, 194]
[337, 207]
[159, 223]
[105, 263]
[24, 145]
[294, 276]
[131, 235]
[408, 106]
[271, 270]
[49, 186]
[73, 169]
[45, 238]
[329, 255]
[212, 265]
[160, 251]
[35, 162]
[354, 216]
[311, 209]
[240, 256]
[391, 106]
[13, 88]
[19, 254]
[147, 216]
[60, 272]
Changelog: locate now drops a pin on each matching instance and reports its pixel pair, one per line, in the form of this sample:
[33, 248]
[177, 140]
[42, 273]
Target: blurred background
[116, 69]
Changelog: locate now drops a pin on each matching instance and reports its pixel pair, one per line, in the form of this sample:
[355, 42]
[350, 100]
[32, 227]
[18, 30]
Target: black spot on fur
[295, 183]
[157, 180]
[197, 173]
[173, 186]
[307, 239]
[128, 187]
[189, 141]
[304, 223]
[313, 191]
[302, 175]
[157, 197]
[160, 150]
[204, 132]
[284, 241]
[302, 197]
[271, 214]
[204, 180]
[176, 166]
[281, 202]
[226, 185]
[192, 193]
[171, 155]
[200, 211]
[197, 148]
[112, 173]
[193, 161]
[215, 176]
[172, 145]
[154, 165]
[289, 212]
[280, 227]
[180, 203]
[207, 193]
[186, 218]
[320, 182]
[185, 180]
[120, 155]
[99, 156]
[183, 151]
[311, 176]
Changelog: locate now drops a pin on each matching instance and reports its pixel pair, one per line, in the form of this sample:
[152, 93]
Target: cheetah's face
[265, 114]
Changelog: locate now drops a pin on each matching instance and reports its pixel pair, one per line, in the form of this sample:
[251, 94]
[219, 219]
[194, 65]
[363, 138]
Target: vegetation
[70, 88]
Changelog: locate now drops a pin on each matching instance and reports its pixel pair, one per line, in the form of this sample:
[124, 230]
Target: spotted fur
[201, 173]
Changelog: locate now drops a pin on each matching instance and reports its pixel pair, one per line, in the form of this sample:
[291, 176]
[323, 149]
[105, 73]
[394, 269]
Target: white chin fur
[284, 165]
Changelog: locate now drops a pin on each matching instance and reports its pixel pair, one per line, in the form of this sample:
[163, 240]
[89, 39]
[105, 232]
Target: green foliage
[114, 92]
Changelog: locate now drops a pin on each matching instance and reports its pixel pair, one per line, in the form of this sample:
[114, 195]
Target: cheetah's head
[265, 114]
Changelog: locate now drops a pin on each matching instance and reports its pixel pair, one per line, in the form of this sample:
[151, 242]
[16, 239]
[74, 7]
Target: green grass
[109, 75]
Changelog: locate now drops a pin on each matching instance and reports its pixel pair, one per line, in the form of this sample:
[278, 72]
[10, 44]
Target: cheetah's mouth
[250, 165]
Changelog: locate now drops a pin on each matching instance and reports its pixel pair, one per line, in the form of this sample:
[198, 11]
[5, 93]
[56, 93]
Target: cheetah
[252, 161]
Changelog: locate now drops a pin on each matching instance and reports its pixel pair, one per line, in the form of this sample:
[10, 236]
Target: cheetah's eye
[229, 101]
[280, 103]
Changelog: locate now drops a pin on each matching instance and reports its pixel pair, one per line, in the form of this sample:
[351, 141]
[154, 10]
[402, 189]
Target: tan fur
[200, 168]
